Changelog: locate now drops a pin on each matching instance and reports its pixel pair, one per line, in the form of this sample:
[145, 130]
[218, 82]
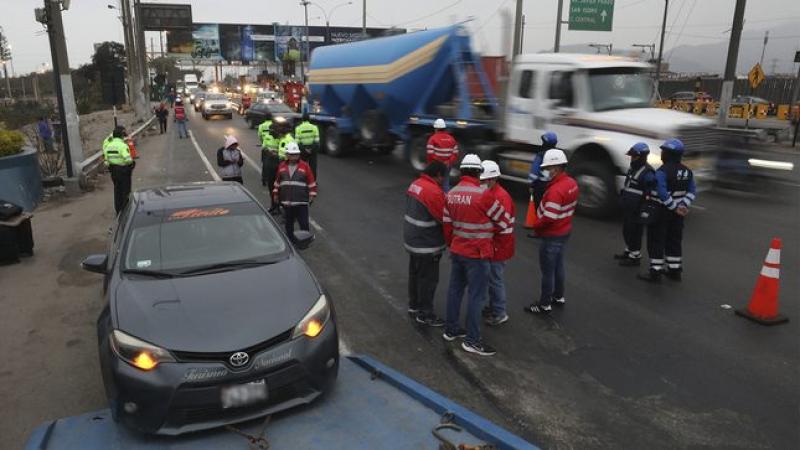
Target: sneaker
[630, 262]
[496, 320]
[430, 320]
[539, 310]
[413, 311]
[450, 336]
[478, 348]
[560, 301]
[487, 312]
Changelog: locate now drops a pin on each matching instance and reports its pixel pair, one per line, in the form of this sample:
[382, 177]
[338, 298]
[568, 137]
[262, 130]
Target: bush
[11, 142]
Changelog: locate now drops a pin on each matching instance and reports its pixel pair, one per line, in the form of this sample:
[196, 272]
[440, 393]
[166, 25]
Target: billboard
[206, 45]
[162, 16]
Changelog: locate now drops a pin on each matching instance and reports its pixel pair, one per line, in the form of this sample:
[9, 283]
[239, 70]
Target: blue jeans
[497, 288]
[471, 274]
[181, 128]
[551, 263]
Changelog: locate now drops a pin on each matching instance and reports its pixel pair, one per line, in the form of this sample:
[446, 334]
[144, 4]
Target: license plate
[243, 394]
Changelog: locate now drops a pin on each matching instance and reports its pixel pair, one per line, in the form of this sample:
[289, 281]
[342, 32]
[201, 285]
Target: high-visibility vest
[307, 133]
[269, 142]
[116, 153]
[282, 143]
[264, 128]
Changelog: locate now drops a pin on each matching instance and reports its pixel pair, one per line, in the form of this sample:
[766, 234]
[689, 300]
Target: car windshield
[216, 97]
[277, 108]
[180, 240]
[619, 88]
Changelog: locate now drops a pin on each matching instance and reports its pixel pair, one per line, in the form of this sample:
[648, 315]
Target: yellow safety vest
[307, 133]
[282, 143]
[116, 152]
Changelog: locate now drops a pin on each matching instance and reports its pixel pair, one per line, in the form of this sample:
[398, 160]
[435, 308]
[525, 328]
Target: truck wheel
[374, 128]
[597, 188]
[418, 153]
[336, 143]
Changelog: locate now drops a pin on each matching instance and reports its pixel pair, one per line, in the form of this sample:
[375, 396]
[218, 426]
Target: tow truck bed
[372, 407]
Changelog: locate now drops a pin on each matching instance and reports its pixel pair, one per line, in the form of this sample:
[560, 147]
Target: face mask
[545, 175]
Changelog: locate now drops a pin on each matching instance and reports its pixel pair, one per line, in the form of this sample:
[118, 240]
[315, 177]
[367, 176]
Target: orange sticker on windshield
[196, 213]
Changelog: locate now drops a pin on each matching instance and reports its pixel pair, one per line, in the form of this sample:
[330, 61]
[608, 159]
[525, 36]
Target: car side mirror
[95, 263]
[303, 239]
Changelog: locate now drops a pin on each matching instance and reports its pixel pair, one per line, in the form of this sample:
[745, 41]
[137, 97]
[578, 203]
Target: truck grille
[700, 140]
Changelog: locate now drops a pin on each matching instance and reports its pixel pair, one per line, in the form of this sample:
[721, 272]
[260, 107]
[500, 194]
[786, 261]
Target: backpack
[180, 114]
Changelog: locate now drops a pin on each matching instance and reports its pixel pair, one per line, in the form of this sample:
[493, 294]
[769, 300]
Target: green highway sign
[591, 15]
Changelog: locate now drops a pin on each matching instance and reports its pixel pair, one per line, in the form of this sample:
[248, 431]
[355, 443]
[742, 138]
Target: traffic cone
[530, 217]
[132, 148]
[763, 307]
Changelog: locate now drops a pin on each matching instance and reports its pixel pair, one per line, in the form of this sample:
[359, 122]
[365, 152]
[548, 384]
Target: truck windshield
[619, 88]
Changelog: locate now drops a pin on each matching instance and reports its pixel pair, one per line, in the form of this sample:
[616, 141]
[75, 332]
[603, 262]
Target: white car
[217, 105]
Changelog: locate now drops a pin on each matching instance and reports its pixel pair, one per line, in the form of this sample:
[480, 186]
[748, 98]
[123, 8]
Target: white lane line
[316, 226]
[210, 168]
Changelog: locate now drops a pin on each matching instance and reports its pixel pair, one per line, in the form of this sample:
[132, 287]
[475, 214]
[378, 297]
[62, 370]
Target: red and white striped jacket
[442, 146]
[297, 188]
[472, 215]
[557, 207]
[504, 237]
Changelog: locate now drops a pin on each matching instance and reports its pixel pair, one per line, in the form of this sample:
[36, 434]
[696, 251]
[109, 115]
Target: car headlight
[138, 353]
[315, 320]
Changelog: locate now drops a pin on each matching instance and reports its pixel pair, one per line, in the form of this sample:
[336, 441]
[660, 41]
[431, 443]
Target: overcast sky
[690, 22]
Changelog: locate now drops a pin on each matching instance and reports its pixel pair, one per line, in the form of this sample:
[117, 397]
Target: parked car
[217, 104]
[741, 100]
[260, 112]
[211, 316]
[691, 96]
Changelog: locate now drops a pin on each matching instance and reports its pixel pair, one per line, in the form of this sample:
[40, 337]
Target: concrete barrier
[20, 179]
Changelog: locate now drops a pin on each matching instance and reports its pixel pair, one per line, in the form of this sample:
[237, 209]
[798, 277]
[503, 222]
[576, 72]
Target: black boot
[623, 255]
[653, 276]
[630, 262]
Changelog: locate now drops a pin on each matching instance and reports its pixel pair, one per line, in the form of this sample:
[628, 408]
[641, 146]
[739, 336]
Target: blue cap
[673, 145]
[639, 148]
[549, 138]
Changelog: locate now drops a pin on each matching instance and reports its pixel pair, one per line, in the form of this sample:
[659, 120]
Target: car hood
[654, 122]
[216, 102]
[218, 312]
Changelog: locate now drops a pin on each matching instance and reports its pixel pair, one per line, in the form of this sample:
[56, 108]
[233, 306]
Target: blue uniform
[537, 184]
[639, 182]
[674, 187]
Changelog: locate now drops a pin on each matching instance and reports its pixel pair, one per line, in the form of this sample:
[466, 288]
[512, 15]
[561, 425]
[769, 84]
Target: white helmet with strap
[471, 161]
[490, 170]
[554, 157]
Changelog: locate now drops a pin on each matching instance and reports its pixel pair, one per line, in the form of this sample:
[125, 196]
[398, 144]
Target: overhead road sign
[591, 15]
[164, 16]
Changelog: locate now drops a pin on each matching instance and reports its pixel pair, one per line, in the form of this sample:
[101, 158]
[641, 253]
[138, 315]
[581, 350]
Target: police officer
[639, 181]
[537, 183]
[284, 136]
[307, 136]
[264, 128]
[117, 157]
[673, 195]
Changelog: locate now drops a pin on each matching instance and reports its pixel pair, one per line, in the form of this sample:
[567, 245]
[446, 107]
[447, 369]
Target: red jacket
[422, 227]
[557, 207]
[298, 188]
[471, 215]
[442, 146]
[504, 237]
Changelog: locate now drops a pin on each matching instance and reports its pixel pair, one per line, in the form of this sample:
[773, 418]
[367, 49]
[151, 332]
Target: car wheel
[230, 116]
[336, 143]
[597, 188]
[418, 153]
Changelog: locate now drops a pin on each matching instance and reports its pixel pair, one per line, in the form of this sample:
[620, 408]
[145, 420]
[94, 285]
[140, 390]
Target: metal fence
[776, 90]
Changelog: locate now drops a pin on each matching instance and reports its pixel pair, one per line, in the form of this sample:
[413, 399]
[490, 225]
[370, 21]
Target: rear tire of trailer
[418, 153]
[336, 143]
[597, 188]
[374, 128]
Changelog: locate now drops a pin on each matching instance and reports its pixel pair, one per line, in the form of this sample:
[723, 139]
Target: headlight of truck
[315, 320]
[138, 353]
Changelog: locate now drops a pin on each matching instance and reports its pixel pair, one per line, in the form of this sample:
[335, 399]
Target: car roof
[190, 195]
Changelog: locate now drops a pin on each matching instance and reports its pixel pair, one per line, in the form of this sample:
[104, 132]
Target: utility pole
[517, 30]
[557, 44]
[141, 47]
[135, 85]
[364, 19]
[730, 65]
[5, 56]
[651, 47]
[70, 125]
[305, 53]
[764, 48]
[661, 49]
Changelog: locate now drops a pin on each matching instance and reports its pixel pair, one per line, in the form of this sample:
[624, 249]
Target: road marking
[316, 226]
[210, 168]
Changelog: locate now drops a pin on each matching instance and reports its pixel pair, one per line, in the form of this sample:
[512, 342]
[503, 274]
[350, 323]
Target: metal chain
[254, 442]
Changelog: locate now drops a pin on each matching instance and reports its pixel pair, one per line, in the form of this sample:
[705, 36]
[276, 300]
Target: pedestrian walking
[117, 158]
[553, 226]
[45, 133]
[181, 118]
[423, 238]
[639, 181]
[470, 217]
[674, 193]
[295, 189]
[495, 312]
[442, 146]
[230, 160]
[307, 136]
[162, 113]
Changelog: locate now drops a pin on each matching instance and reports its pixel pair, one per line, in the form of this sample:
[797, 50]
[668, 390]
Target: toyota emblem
[239, 359]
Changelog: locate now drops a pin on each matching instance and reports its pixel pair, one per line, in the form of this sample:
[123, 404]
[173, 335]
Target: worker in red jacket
[471, 216]
[495, 312]
[553, 227]
[295, 189]
[442, 146]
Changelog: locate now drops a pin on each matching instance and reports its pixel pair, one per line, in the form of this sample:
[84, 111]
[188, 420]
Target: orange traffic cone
[132, 148]
[530, 217]
[763, 307]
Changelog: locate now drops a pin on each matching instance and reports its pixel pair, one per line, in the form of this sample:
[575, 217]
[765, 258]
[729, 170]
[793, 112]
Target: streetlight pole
[305, 53]
[364, 20]
[661, 46]
[328, 17]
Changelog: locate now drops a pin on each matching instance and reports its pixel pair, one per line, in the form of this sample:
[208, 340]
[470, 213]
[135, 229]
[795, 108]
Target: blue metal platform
[371, 407]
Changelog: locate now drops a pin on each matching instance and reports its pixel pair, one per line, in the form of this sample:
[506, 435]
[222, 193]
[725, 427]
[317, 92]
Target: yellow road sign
[756, 76]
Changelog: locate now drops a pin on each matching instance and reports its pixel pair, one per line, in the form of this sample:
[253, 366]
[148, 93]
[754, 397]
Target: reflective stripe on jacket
[422, 224]
[557, 207]
[471, 214]
[442, 146]
[263, 128]
[116, 152]
[306, 133]
[294, 188]
[639, 181]
[504, 237]
[674, 186]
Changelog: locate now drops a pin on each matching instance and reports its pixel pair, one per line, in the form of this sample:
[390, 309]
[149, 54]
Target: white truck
[190, 83]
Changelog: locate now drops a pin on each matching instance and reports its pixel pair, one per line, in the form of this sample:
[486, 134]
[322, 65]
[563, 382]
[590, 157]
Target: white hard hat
[471, 161]
[439, 124]
[554, 157]
[292, 148]
[230, 140]
[490, 170]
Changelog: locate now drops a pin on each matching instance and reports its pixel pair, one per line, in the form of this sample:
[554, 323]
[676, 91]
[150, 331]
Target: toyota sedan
[212, 317]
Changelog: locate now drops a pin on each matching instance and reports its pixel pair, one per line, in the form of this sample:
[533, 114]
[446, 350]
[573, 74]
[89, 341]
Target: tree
[109, 56]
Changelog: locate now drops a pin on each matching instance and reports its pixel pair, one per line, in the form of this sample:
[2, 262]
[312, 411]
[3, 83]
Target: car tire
[336, 143]
[418, 153]
[597, 188]
[230, 116]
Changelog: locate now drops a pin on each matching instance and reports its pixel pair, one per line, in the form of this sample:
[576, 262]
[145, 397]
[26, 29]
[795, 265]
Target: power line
[678, 39]
[431, 14]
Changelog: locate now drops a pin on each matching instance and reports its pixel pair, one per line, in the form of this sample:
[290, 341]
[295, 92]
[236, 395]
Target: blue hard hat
[549, 138]
[639, 148]
[673, 145]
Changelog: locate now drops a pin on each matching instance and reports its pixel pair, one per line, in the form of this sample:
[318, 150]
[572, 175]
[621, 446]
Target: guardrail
[754, 111]
[93, 163]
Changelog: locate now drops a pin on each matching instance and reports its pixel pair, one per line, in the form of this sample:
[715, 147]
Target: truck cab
[599, 106]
